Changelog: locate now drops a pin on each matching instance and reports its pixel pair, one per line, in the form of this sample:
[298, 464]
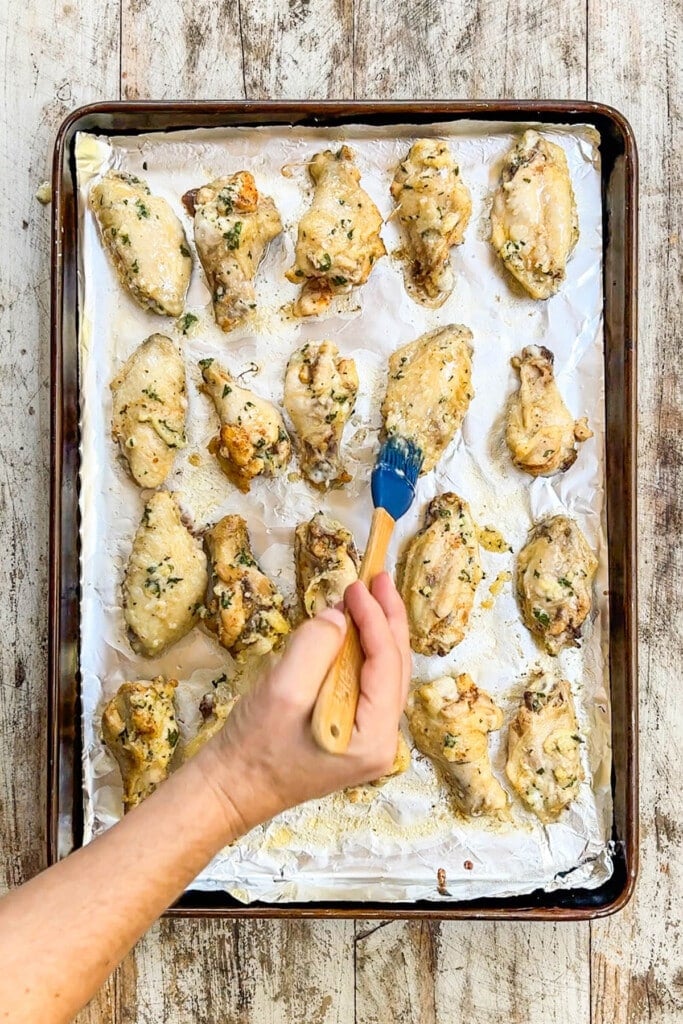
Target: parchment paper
[390, 846]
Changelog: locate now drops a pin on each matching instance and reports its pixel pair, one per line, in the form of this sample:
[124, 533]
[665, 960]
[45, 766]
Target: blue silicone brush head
[395, 474]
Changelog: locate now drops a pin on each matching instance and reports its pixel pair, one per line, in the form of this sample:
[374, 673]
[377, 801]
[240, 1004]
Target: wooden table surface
[61, 53]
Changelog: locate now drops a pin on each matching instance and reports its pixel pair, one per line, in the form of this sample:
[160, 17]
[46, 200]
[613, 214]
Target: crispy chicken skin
[544, 763]
[555, 572]
[252, 439]
[534, 225]
[233, 224]
[429, 390]
[165, 580]
[450, 720]
[541, 432]
[149, 406]
[140, 730]
[434, 208]
[438, 576]
[338, 239]
[145, 241]
[320, 394]
[244, 610]
[326, 562]
[215, 711]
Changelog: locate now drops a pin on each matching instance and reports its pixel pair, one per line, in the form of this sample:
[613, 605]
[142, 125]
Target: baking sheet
[390, 846]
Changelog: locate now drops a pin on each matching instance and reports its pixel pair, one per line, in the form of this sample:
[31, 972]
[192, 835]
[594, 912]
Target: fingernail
[334, 616]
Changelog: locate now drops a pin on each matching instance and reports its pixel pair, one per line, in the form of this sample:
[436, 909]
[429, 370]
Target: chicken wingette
[438, 576]
[338, 240]
[165, 580]
[140, 730]
[252, 440]
[534, 225]
[541, 433]
[434, 208]
[544, 760]
[149, 404]
[429, 390]
[555, 572]
[233, 224]
[145, 241]
[243, 608]
[320, 394]
[450, 720]
[326, 562]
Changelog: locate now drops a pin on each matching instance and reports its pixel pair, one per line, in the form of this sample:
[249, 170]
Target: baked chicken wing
[149, 406]
[544, 763]
[320, 393]
[326, 562]
[140, 730]
[434, 208]
[534, 225]
[145, 241]
[165, 580]
[555, 572]
[215, 711]
[366, 791]
[541, 432]
[233, 224]
[439, 574]
[252, 439]
[244, 609]
[338, 240]
[429, 390]
[450, 720]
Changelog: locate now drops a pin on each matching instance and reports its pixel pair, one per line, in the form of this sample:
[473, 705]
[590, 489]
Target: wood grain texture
[637, 957]
[54, 56]
[476, 49]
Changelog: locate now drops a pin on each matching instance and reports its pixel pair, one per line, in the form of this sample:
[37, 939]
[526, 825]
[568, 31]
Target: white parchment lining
[390, 847]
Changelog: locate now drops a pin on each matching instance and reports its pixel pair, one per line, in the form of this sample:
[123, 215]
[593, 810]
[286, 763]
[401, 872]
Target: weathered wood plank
[432, 49]
[637, 957]
[55, 56]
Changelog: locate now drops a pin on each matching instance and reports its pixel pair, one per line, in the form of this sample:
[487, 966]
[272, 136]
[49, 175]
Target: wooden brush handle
[335, 709]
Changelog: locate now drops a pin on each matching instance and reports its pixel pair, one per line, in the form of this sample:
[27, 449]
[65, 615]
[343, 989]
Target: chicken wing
[320, 393]
[434, 208]
[326, 562]
[338, 240]
[165, 580]
[429, 390]
[252, 439]
[366, 791]
[541, 432]
[244, 609]
[450, 720]
[555, 572]
[149, 406]
[438, 576]
[534, 225]
[233, 224]
[215, 712]
[145, 241]
[544, 763]
[139, 729]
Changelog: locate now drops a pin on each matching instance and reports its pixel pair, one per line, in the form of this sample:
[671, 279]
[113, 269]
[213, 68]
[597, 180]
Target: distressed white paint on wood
[477, 49]
[637, 957]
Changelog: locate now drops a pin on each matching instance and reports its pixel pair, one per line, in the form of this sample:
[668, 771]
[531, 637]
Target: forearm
[102, 898]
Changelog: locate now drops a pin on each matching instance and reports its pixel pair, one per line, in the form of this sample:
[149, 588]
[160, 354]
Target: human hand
[265, 758]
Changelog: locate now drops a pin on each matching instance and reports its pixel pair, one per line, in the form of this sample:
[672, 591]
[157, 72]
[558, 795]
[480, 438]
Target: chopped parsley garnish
[143, 211]
[232, 235]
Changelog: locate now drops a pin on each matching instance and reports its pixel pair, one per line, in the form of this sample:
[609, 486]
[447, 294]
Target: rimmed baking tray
[619, 189]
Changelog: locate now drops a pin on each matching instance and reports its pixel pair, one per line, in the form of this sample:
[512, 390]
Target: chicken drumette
[434, 208]
[326, 562]
[338, 240]
[140, 730]
[541, 432]
[215, 708]
[233, 224]
[320, 393]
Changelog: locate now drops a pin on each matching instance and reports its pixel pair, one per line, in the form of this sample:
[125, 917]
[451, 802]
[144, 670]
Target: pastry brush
[393, 491]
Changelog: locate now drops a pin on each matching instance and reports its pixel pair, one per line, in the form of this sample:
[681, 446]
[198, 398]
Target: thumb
[310, 653]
